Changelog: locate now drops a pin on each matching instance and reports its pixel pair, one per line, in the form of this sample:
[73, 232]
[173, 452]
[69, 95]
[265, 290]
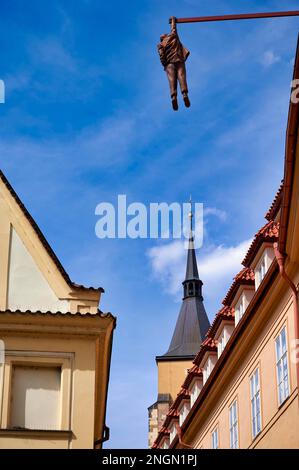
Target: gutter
[179, 435]
[290, 155]
[106, 430]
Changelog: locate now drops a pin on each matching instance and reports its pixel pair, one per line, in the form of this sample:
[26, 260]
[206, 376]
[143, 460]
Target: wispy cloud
[270, 58]
[220, 214]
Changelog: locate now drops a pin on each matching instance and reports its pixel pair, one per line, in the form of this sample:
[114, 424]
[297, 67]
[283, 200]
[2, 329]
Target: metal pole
[244, 16]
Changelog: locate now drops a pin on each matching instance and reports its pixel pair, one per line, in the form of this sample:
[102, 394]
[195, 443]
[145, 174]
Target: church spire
[192, 284]
[192, 323]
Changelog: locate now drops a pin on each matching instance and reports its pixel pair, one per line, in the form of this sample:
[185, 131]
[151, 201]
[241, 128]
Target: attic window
[208, 367]
[239, 310]
[260, 271]
[165, 444]
[184, 412]
[195, 391]
[172, 432]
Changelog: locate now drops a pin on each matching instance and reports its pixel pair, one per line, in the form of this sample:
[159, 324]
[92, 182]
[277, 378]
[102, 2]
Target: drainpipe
[281, 260]
[179, 433]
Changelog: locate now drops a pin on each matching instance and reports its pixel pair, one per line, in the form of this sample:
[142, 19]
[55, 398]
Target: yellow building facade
[242, 390]
[55, 343]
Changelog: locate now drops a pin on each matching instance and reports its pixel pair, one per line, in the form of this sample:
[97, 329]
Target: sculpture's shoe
[175, 103]
[187, 101]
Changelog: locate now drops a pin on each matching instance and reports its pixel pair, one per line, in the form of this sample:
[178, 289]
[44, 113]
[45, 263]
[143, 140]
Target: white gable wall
[27, 287]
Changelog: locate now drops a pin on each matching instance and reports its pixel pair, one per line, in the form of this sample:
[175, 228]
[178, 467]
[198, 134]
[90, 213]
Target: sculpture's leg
[182, 77]
[171, 71]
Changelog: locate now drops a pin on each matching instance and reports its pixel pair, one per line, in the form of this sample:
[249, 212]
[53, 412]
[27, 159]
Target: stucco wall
[27, 287]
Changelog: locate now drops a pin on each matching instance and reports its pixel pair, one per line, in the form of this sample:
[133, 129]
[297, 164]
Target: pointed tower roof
[192, 323]
[191, 269]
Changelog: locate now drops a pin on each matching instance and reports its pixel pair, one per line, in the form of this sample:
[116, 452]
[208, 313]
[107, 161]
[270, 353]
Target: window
[282, 366]
[260, 271]
[208, 367]
[255, 396]
[165, 444]
[239, 310]
[184, 412]
[221, 343]
[172, 432]
[35, 398]
[195, 391]
[215, 440]
[233, 426]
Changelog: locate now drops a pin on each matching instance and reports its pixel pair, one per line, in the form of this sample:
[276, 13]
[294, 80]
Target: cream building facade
[56, 343]
[242, 390]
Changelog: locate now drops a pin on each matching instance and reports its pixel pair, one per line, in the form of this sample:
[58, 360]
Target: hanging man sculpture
[173, 56]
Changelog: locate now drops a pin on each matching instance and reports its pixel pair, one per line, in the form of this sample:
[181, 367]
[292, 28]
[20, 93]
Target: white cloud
[222, 215]
[270, 58]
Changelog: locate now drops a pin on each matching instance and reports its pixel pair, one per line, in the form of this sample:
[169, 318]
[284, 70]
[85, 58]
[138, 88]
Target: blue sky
[87, 117]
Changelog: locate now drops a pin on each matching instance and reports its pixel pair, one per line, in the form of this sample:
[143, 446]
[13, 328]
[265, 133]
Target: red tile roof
[194, 372]
[183, 394]
[275, 206]
[99, 313]
[172, 414]
[268, 233]
[209, 345]
[225, 314]
[244, 278]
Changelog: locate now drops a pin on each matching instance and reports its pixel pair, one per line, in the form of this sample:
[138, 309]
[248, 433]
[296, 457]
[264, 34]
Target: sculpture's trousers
[176, 72]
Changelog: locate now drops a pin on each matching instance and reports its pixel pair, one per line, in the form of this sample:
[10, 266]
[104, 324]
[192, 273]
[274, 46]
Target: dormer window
[221, 343]
[223, 338]
[242, 303]
[172, 431]
[263, 265]
[195, 391]
[208, 367]
[184, 410]
[260, 272]
[165, 444]
[239, 309]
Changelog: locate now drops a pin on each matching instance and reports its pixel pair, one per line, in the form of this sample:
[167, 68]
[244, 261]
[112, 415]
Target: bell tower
[190, 330]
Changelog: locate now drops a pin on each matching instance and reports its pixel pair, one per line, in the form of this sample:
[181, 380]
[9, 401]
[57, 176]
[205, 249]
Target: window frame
[65, 361]
[254, 393]
[195, 391]
[172, 432]
[239, 304]
[234, 426]
[215, 433]
[13, 401]
[280, 361]
[262, 263]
